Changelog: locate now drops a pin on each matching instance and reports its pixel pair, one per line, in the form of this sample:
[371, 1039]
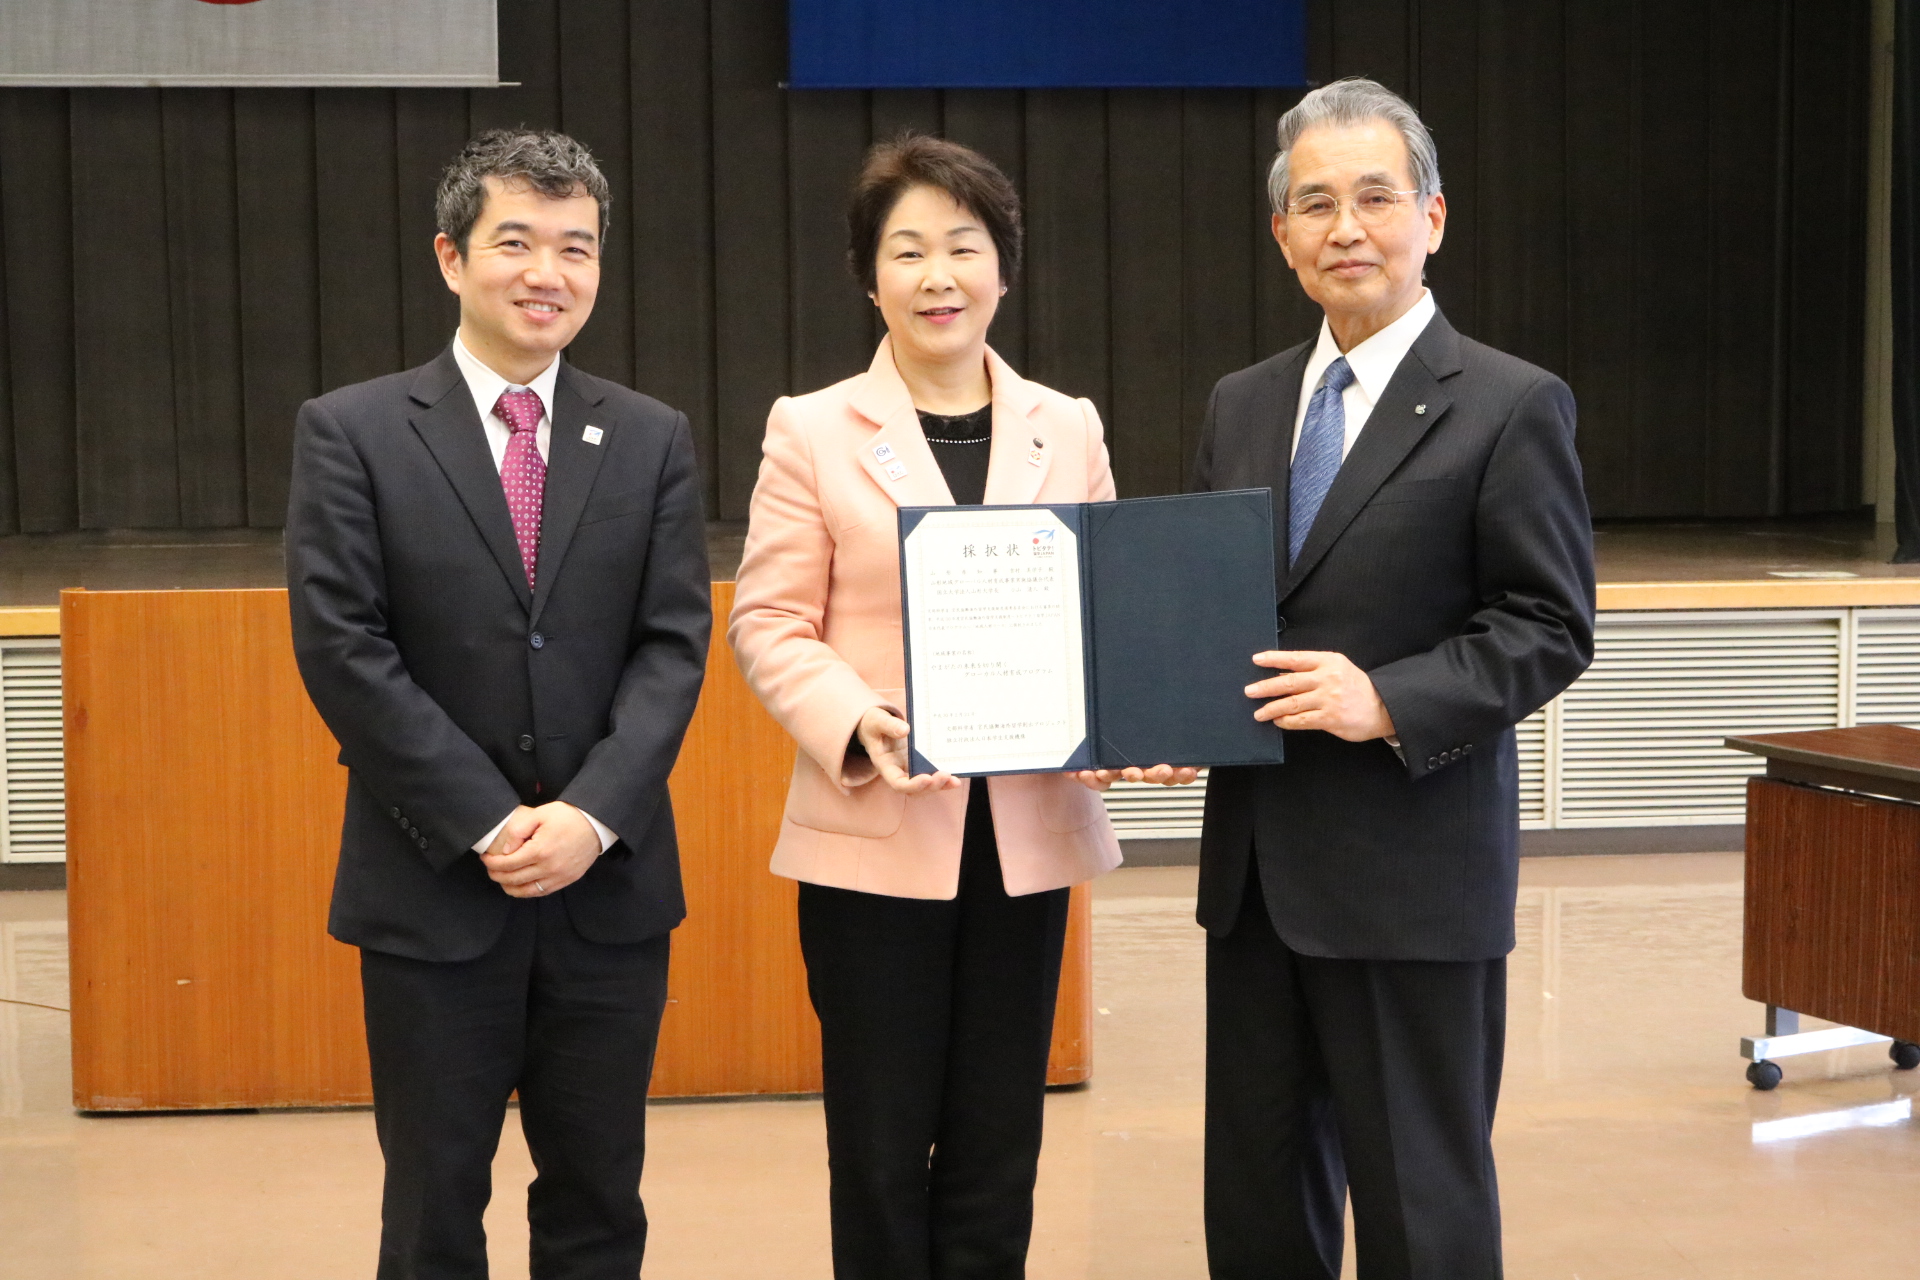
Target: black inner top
[962, 443]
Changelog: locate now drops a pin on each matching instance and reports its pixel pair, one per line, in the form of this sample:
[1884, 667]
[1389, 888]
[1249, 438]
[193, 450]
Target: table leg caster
[1905, 1055]
[1763, 1075]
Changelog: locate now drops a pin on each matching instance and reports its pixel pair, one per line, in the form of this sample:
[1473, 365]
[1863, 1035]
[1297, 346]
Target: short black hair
[976, 184]
[553, 164]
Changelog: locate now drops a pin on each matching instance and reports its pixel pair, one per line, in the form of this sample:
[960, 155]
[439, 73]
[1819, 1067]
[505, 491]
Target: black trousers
[935, 1022]
[569, 1023]
[1324, 1076]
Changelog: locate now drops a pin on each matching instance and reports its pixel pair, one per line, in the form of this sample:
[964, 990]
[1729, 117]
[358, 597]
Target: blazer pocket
[1440, 489]
[612, 506]
[873, 811]
[1066, 805]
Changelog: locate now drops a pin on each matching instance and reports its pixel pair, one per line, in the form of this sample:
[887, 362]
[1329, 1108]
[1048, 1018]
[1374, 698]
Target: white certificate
[998, 673]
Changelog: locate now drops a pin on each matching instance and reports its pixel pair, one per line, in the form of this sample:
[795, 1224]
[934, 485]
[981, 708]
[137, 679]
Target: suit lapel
[897, 457]
[447, 422]
[1275, 406]
[1023, 447]
[572, 465]
[1413, 403]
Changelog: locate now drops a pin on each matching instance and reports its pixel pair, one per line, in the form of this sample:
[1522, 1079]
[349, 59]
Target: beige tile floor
[1630, 1146]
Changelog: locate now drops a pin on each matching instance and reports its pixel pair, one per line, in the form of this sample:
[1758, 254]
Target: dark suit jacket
[1453, 562]
[456, 693]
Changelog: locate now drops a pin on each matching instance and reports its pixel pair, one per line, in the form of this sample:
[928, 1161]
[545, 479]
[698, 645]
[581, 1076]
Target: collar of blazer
[1392, 431]
[1012, 480]
[450, 427]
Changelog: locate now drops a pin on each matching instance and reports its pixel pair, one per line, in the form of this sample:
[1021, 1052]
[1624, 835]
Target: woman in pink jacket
[932, 909]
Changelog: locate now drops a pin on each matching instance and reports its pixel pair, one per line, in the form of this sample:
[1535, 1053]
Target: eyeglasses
[1372, 206]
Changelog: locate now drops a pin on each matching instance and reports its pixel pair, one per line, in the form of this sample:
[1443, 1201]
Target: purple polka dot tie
[523, 472]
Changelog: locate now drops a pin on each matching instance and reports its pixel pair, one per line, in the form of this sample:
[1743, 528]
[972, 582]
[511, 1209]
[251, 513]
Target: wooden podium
[1833, 892]
[203, 811]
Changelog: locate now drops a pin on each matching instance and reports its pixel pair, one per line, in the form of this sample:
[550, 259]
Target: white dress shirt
[487, 386]
[1373, 363]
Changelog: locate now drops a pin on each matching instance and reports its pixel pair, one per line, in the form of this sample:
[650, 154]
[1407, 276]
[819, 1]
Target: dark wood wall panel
[1602, 146]
[1148, 307]
[1825, 247]
[753, 300]
[1067, 195]
[9, 479]
[1675, 369]
[429, 127]
[1661, 202]
[36, 213]
[360, 253]
[203, 289]
[277, 199]
[670, 259]
[1742, 454]
[594, 108]
[123, 360]
[831, 319]
[1224, 232]
[1520, 204]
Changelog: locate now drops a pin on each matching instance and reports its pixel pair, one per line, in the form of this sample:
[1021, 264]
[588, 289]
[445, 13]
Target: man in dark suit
[1436, 588]
[498, 578]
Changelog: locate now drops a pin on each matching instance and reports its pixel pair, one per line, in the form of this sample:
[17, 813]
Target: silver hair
[553, 164]
[1345, 103]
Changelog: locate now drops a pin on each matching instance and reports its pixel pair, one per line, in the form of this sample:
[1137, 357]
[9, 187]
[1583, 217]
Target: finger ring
[537, 888]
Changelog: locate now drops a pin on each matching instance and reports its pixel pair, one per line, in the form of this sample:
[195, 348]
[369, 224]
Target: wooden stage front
[203, 812]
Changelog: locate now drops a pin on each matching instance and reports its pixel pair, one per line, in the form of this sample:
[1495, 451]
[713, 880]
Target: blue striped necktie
[1316, 459]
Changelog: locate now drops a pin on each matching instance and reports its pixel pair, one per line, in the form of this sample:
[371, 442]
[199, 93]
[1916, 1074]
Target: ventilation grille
[1887, 667]
[1143, 811]
[1642, 730]
[1531, 735]
[35, 819]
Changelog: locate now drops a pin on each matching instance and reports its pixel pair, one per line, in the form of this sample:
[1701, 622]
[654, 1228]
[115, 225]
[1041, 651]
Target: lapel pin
[895, 470]
[592, 435]
[1419, 408]
[882, 452]
[1033, 457]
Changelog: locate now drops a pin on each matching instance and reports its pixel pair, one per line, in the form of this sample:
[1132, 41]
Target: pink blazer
[816, 630]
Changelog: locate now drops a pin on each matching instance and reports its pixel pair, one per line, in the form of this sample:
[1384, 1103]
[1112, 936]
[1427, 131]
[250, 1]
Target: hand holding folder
[1099, 636]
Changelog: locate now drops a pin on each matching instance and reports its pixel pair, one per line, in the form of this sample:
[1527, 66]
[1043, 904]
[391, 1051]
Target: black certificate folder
[1088, 635]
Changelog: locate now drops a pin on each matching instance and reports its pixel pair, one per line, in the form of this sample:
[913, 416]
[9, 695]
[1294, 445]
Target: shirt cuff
[607, 838]
[485, 842]
[1393, 740]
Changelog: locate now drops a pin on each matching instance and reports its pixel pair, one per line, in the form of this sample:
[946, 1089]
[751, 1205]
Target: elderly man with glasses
[1436, 587]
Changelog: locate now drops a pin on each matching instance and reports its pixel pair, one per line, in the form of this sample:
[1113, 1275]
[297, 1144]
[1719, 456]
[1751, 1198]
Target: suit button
[526, 742]
[1279, 623]
[537, 640]
[395, 812]
[1468, 748]
[1433, 762]
[422, 842]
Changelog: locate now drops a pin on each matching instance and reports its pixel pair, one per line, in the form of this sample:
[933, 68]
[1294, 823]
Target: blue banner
[1040, 44]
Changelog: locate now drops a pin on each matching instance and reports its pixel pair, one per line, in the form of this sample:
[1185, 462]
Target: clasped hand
[1321, 691]
[550, 846]
[884, 735]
